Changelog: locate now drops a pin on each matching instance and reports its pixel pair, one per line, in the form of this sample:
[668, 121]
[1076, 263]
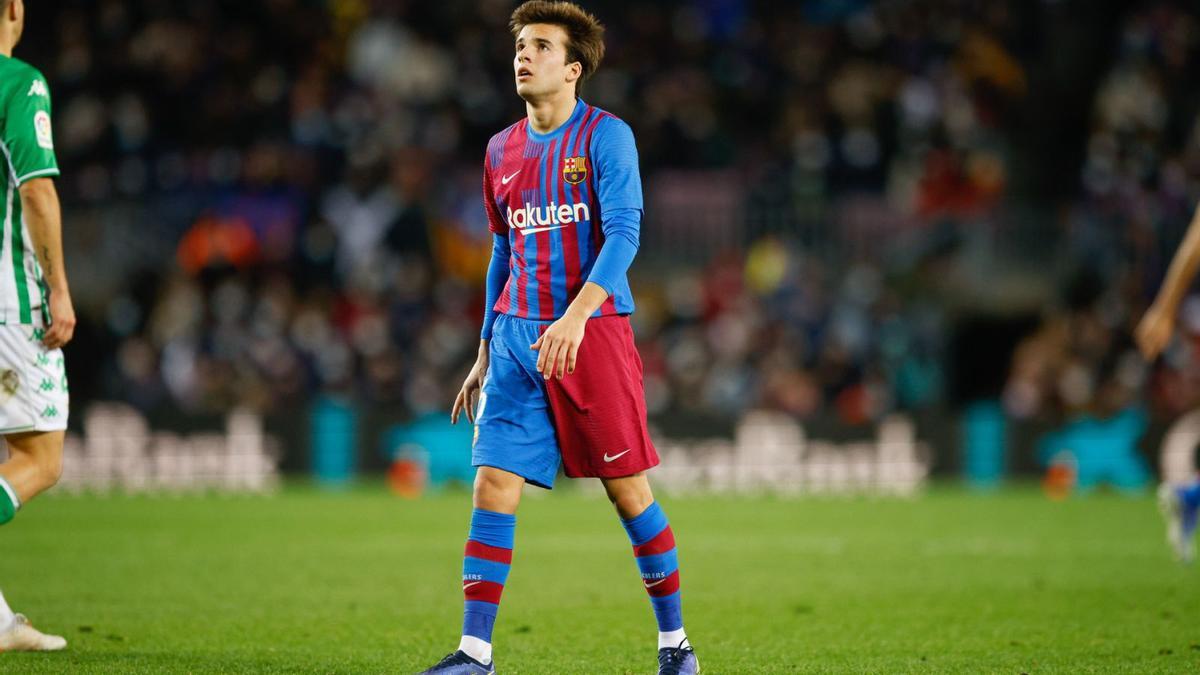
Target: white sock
[6, 614]
[477, 649]
[672, 639]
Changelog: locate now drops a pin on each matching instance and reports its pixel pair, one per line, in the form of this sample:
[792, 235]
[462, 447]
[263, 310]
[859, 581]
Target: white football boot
[21, 636]
[1181, 522]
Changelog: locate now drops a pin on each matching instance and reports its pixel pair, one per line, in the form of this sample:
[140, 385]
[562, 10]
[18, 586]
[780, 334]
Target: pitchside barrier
[113, 446]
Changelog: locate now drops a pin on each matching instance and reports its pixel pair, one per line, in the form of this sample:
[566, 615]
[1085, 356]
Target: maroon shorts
[599, 411]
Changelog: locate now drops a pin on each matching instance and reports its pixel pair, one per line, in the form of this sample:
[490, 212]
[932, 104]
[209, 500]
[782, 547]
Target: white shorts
[33, 382]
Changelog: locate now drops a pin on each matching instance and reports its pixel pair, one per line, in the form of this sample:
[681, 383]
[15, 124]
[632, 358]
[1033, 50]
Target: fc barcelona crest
[575, 170]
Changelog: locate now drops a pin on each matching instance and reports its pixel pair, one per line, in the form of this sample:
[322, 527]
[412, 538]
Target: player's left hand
[558, 346]
[62, 320]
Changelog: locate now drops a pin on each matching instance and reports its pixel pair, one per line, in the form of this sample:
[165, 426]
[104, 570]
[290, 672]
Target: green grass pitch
[363, 582]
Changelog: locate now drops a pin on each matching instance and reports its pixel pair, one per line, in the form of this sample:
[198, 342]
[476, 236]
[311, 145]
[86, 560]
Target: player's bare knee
[631, 497]
[50, 468]
[616, 494]
[492, 497]
[632, 504]
[42, 453]
[497, 491]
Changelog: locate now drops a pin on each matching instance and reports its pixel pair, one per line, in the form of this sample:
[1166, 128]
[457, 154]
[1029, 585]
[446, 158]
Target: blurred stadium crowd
[268, 200]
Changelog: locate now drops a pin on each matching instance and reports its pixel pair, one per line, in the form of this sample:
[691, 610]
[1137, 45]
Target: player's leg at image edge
[486, 563]
[16, 633]
[654, 549]
[1180, 505]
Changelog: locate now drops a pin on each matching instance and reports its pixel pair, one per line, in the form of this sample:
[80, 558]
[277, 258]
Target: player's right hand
[465, 401]
[62, 320]
[1154, 330]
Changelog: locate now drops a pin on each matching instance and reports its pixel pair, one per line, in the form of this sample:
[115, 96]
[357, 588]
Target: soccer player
[558, 375]
[1180, 503]
[36, 315]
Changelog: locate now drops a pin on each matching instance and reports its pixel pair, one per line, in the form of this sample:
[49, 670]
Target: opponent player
[36, 315]
[1180, 503]
[560, 375]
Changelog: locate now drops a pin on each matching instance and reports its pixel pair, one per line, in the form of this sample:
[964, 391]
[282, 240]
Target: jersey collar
[580, 106]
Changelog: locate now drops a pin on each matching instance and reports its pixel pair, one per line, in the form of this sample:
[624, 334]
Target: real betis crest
[574, 169]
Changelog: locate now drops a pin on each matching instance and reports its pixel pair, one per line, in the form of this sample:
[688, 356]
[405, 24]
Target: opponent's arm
[43, 217]
[1155, 329]
[29, 147]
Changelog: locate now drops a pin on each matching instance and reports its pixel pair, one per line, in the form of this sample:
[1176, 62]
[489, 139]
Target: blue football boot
[1181, 515]
[678, 660]
[459, 663]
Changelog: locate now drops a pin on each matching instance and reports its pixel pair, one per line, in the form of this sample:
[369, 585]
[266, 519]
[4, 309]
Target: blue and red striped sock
[654, 550]
[485, 569]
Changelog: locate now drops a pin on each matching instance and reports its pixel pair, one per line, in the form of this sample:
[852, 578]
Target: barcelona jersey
[557, 197]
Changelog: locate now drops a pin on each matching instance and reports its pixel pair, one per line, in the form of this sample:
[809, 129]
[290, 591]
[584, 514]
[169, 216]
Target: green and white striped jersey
[28, 147]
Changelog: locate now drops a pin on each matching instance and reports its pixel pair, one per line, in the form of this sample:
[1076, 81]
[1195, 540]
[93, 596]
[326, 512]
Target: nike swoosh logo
[505, 179]
[649, 585]
[473, 583]
[616, 456]
[530, 230]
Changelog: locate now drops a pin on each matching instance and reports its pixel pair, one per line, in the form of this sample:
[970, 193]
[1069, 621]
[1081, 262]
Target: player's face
[540, 64]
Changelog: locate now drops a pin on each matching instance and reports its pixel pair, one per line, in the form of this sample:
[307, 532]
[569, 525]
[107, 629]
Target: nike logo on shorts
[616, 456]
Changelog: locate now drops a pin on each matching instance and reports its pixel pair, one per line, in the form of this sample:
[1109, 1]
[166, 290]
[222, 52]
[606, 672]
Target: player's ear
[574, 71]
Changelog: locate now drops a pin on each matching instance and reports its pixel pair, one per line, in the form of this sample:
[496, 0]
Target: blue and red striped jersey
[550, 195]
